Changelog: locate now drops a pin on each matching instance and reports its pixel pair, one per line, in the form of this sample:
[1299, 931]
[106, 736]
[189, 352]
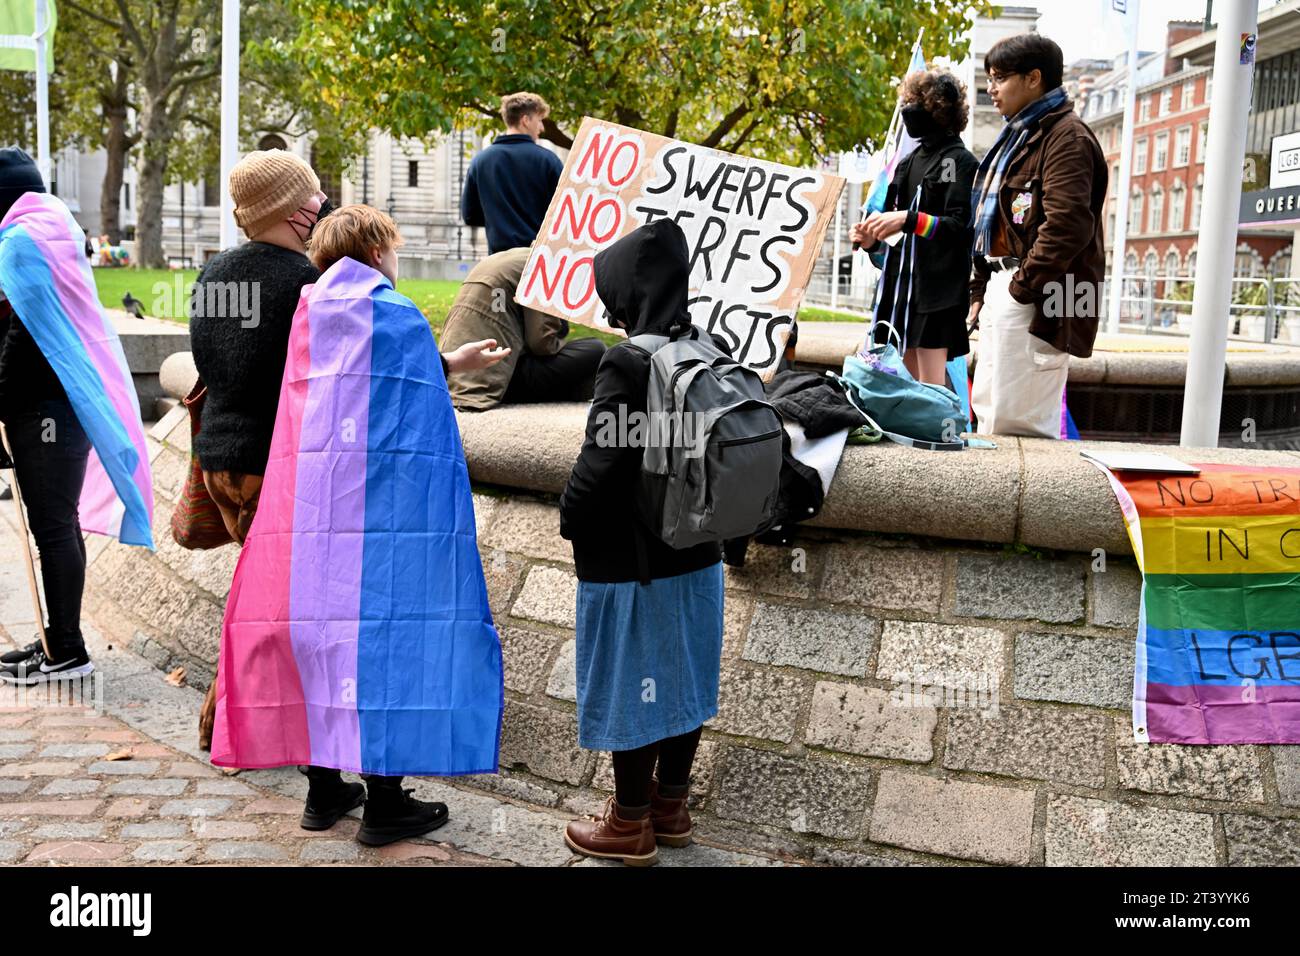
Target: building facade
[1168, 168]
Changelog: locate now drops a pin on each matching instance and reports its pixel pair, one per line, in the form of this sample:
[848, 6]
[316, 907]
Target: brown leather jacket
[1057, 182]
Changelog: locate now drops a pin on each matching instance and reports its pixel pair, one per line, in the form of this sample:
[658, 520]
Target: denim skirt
[648, 658]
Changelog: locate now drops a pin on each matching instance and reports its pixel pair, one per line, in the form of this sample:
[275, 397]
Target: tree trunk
[151, 167]
[116, 144]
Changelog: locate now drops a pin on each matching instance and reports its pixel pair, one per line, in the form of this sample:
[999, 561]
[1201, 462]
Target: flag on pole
[17, 30]
[44, 272]
[898, 145]
[357, 632]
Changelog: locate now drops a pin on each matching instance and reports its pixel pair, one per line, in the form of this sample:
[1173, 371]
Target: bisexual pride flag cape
[1218, 647]
[46, 277]
[357, 632]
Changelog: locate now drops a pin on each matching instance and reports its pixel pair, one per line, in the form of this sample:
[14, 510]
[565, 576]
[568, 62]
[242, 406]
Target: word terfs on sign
[753, 230]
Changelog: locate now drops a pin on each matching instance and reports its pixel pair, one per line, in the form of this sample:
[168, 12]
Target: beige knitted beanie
[268, 186]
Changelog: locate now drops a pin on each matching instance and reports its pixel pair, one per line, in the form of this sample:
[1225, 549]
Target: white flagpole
[1216, 243]
[1118, 247]
[42, 94]
[229, 116]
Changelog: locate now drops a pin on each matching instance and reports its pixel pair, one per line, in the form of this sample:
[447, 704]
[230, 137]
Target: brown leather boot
[669, 818]
[611, 837]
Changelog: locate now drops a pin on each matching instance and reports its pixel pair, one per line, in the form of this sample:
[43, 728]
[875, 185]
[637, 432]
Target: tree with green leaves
[169, 47]
[788, 81]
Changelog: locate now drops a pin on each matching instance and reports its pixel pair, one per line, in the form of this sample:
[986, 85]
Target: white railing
[1263, 309]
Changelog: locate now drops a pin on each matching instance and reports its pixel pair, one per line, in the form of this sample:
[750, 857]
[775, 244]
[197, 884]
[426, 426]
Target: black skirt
[941, 329]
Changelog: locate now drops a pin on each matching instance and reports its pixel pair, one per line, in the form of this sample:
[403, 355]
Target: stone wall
[816, 752]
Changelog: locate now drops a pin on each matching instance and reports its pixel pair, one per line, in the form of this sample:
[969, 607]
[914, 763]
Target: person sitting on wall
[540, 367]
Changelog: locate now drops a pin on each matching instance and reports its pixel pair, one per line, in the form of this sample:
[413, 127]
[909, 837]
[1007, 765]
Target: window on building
[1114, 181]
[1188, 97]
[1183, 146]
[212, 186]
[1140, 157]
[1166, 101]
[1144, 109]
[330, 174]
[413, 173]
[1177, 208]
[1191, 263]
[1246, 263]
[1202, 134]
[1209, 87]
[1160, 158]
[1196, 205]
[1156, 211]
[1171, 262]
[1151, 264]
[126, 195]
[1135, 212]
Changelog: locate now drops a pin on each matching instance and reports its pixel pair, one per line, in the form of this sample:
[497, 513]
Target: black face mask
[918, 121]
[326, 207]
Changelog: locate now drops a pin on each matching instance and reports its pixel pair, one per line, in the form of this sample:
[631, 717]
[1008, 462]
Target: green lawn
[157, 289]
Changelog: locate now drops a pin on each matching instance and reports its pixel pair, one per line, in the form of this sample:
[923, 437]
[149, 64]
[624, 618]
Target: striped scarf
[984, 196]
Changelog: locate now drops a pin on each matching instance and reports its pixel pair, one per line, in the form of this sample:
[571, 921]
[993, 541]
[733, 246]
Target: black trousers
[567, 376]
[50, 452]
[634, 770]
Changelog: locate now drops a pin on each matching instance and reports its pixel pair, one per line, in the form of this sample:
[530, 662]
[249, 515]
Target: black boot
[329, 798]
[392, 814]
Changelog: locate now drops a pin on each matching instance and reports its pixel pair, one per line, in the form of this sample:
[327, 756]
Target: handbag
[906, 411]
[197, 524]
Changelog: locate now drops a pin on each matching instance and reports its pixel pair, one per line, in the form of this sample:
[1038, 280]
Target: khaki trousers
[1019, 378]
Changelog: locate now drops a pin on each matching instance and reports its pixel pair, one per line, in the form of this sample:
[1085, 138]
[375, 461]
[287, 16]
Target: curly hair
[941, 94]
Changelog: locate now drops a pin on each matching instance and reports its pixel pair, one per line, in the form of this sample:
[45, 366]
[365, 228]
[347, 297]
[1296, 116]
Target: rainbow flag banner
[1218, 648]
[46, 277]
[357, 632]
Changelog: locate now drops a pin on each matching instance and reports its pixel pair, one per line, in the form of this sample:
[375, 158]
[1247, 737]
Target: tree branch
[98, 17]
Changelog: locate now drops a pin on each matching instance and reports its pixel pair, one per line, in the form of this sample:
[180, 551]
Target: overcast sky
[1077, 24]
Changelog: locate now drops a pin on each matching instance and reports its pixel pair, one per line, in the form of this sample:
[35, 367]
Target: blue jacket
[508, 189]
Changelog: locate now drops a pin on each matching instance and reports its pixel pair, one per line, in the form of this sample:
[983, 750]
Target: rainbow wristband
[925, 225]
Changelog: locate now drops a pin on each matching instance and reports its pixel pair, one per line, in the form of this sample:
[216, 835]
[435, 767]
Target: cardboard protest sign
[753, 228]
[1218, 649]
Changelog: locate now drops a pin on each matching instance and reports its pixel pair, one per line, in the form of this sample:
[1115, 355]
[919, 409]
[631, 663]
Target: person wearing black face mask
[922, 292]
[241, 309]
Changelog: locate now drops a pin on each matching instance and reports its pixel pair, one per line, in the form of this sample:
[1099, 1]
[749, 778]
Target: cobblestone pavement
[64, 799]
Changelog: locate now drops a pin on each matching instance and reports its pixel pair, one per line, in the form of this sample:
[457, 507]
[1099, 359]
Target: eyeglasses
[997, 79]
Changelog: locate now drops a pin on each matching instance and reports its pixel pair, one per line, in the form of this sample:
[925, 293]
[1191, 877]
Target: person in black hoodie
[923, 287]
[648, 655]
[50, 451]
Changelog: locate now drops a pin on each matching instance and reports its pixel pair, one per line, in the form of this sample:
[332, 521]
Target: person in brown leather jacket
[1039, 261]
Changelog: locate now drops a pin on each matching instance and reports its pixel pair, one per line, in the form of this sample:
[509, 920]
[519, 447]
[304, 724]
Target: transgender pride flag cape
[1218, 647]
[46, 277]
[357, 632]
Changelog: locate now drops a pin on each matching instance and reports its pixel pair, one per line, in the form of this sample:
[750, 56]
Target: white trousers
[1019, 378]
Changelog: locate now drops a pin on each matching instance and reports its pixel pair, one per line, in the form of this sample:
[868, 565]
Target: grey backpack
[712, 461]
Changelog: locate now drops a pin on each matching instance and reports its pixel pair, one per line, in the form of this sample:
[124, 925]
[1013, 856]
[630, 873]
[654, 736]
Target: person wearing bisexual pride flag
[70, 412]
[357, 633]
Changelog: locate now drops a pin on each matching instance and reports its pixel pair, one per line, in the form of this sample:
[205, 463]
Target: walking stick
[30, 563]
